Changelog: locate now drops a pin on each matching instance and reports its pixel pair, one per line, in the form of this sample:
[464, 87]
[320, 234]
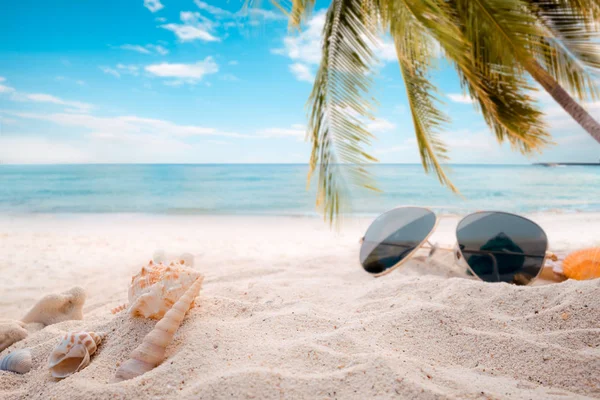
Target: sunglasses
[492, 246]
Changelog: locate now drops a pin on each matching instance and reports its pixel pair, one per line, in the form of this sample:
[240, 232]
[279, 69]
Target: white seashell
[157, 287]
[18, 361]
[73, 353]
[151, 352]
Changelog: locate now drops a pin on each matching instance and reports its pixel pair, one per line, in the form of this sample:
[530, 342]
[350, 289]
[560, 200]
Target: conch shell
[582, 264]
[151, 352]
[155, 289]
[18, 361]
[73, 353]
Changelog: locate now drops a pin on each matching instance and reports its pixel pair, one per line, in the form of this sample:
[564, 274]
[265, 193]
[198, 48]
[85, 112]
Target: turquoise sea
[281, 189]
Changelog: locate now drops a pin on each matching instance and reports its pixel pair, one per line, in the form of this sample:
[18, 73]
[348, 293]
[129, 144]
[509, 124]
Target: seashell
[151, 352]
[73, 353]
[582, 264]
[55, 308]
[11, 331]
[157, 287]
[18, 361]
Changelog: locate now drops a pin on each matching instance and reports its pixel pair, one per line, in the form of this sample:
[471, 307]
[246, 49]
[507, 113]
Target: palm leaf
[337, 103]
[569, 51]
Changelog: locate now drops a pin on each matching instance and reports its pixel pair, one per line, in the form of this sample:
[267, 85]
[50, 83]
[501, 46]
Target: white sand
[287, 312]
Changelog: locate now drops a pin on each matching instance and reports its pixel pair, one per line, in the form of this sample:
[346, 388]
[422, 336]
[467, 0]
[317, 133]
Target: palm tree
[492, 44]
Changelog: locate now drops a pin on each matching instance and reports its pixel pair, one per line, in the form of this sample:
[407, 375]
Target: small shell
[73, 353]
[582, 264]
[18, 361]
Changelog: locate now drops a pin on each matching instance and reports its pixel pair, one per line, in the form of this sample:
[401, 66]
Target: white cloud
[194, 27]
[233, 62]
[128, 69]
[148, 49]
[113, 127]
[47, 98]
[216, 11]
[252, 12]
[255, 12]
[136, 48]
[6, 89]
[460, 98]
[380, 125]
[160, 19]
[305, 47]
[297, 131]
[158, 48]
[36, 150]
[153, 5]
[76, 106]
[396, 149]
[302, 72]
[191, 73]
[110, 71]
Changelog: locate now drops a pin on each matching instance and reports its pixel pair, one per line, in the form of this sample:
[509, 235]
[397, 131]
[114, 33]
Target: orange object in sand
[582, 264]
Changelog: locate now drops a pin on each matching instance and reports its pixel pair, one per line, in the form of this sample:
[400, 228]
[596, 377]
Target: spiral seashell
[73, 353]
[582, 264]
[151, 352]
[118, 308]
[18, 361]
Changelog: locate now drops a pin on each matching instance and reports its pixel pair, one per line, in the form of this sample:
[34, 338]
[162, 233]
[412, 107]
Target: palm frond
[296, 10]
[338, 100]
[498, 30]
[416, 55]
[569, 50]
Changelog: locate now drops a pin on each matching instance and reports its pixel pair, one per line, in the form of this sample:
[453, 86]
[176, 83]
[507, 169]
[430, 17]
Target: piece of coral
[55, 308]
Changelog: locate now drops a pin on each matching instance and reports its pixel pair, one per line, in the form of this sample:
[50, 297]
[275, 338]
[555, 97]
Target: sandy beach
[286, 311]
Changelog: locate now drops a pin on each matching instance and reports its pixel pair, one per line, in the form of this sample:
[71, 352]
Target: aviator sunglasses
[492, 246]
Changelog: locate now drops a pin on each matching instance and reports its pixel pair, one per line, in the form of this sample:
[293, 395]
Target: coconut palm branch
[340, 105]
[549, 39]
[493, 45]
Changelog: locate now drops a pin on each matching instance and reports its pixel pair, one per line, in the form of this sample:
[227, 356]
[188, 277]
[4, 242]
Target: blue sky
[184, 81]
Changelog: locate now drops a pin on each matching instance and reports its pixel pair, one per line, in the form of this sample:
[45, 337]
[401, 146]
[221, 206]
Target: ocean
[282, 190]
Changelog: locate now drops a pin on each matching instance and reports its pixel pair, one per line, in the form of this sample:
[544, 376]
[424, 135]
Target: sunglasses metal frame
[459, 257]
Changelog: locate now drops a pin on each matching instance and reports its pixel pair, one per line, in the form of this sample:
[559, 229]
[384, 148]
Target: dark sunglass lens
[393, 236]
[502, 247]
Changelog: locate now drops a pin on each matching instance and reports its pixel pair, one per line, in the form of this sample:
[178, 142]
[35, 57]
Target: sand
[287, 312]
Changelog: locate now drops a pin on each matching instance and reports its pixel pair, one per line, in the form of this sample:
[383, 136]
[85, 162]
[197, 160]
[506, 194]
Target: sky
[191, 81]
